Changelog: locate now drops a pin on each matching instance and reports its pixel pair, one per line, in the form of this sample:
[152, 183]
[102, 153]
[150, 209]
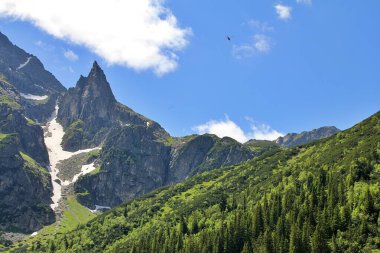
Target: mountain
[26, 71]
[293, 139]
[320, 197]
[137, 154]
[28, 94]
[90, 110]
[38, 88]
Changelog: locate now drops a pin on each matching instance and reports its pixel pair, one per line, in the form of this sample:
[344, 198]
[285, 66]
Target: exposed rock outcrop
[25, 189]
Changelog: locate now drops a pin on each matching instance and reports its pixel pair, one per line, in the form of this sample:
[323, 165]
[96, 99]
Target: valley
[82, 172]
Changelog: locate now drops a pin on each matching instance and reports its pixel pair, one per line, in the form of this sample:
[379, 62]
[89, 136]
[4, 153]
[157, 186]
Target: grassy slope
[212, 204]
[73, 216]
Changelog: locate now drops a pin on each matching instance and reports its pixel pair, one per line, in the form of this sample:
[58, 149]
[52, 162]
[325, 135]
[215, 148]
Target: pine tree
[318, 241]
[295, 239]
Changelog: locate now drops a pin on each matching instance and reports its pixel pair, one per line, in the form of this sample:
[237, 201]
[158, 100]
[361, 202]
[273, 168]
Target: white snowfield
[53, 137]
[24, 64]
[84, 170]
[97, 208]
[33, 97]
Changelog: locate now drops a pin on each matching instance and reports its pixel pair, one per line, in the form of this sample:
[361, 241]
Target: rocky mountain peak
[96, 71]
[95, 85]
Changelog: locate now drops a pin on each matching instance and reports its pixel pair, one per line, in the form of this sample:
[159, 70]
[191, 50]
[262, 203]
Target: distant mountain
[293, 139]
[323, 197]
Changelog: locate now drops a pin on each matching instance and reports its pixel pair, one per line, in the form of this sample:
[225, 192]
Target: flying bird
[228, 38]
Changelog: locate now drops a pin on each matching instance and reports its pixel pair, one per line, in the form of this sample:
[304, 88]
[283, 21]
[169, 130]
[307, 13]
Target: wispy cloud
[142, 35]
[70, 55]
[44, 45]
[283, 11]
[71, 70]
[259, 26]
[227, 127]
[260, 44]
[307, 2]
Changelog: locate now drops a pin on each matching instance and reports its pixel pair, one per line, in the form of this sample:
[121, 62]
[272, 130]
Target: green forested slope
[322, 197]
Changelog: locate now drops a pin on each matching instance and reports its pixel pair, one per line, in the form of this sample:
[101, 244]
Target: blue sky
[316, 65]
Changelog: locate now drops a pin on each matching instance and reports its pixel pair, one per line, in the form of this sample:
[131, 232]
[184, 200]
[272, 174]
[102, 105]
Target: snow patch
[39, 86]
[24, 64]
[88, 168]
[99, 208]
[53, 138]
[33, 97]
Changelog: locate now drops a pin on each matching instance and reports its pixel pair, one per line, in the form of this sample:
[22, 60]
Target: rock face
[202, 153]
[25, 71]
[28, 94]
[30, 135]
[90, 110]
[25, 189]
[291, 140]
[137, 155]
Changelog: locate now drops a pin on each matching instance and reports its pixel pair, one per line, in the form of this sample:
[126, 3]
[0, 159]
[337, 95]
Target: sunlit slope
[322, 197]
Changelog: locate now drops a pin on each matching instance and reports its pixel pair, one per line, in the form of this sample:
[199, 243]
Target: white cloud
[227, 127]
[70, 55]
[260, 26]
[243, 51]
[260, 44]
[283, 11]
[139, 34]
[307, 2]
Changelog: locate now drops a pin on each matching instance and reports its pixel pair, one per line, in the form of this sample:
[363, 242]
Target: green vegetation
[173, 141]
[74, 215]
[3, 136]
[30, 121]
[6, 140]
[260, 146]
[4, 99]
[74, 133]
[322, 197]
[39, 102]
[30, 163]
[97, 170]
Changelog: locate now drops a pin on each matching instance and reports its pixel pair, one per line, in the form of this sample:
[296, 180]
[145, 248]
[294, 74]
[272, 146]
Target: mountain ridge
[294, 139]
